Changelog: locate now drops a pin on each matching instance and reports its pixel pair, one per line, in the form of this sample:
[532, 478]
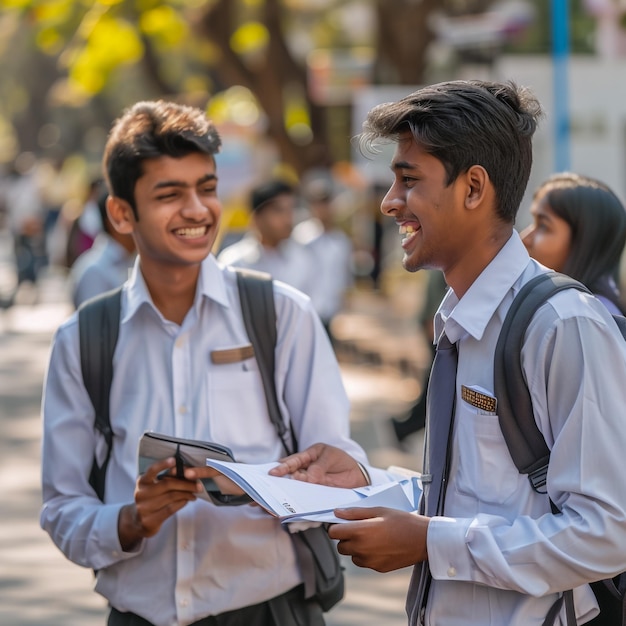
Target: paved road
[38, 587]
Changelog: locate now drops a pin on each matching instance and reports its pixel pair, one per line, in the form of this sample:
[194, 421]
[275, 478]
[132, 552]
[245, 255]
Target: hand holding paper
[324, 465]
[383, 539]
[293, 500]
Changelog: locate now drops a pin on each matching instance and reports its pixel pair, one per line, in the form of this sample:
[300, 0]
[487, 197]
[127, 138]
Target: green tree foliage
[76, 63]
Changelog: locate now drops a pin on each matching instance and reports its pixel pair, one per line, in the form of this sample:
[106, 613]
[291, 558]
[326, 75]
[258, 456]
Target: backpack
[524, 440]
[98, 322]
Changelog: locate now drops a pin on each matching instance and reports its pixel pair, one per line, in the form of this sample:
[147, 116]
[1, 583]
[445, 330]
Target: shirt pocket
[238, 411]
[485, 468]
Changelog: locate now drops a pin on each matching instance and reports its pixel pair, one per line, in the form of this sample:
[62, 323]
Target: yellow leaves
[165, 24]
[111, 42]
[296, 117]
[249, 38]
[15, 4]
[54, 11]
[237, 105]
[50, 41]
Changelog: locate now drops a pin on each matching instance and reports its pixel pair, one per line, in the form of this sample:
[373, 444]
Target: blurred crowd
[322, 234]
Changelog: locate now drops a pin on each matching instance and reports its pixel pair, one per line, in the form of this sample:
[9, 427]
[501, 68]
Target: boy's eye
[167, 196]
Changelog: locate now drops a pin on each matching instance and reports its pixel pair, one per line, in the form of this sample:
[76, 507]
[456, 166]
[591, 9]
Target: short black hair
[465, 123]
[264, 193]
[148, 130]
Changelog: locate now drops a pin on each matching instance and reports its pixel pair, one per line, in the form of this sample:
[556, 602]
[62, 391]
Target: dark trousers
[288, 609]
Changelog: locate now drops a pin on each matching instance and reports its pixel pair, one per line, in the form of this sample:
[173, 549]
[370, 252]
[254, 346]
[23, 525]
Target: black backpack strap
[98, 324]
[525, 441]
[259, 315]
[315, 553]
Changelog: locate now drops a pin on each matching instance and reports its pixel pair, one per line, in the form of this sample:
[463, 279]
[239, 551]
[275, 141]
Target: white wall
[597, 106]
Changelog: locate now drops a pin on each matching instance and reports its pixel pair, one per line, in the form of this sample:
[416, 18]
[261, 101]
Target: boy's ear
[477, 186]
[121, 215]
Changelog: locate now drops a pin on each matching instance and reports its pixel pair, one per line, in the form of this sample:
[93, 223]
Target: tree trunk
[403, 38]
[267, 75]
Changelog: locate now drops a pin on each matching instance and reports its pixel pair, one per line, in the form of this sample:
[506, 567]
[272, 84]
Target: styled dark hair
[464, 123]
[148, 130]
[597, 220]
[264, 193]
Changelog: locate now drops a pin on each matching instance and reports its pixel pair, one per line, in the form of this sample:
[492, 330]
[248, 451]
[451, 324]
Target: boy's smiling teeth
[406, 229]
[195, 231]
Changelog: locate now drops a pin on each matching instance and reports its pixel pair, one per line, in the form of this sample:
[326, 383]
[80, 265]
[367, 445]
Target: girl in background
[579, 229]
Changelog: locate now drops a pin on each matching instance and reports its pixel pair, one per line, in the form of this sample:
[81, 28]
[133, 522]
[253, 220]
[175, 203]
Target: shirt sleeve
[80, 525]
[576, 370]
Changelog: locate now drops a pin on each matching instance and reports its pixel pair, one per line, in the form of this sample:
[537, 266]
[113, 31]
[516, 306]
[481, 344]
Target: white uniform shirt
[332, 252]
[103, 267]
[205, 559]
[499, 556]
[289, 263]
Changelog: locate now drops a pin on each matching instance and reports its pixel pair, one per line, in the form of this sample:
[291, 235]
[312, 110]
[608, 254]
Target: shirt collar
[474, 310]
[210, 285]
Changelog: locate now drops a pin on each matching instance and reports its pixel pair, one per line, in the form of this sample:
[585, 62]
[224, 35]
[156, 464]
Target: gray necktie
[439, 417]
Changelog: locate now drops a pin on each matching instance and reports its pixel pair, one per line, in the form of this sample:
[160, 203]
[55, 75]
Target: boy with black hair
[182, 366]
[487, 548]
[269, 245]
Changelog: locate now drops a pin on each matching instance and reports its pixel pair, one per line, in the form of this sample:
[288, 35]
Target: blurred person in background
[106, 264]
[331, 249]
[579, 229]
[25, 217]
[86, 227]
[269, 245]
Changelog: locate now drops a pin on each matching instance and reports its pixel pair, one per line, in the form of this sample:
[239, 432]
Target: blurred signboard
[333, 75]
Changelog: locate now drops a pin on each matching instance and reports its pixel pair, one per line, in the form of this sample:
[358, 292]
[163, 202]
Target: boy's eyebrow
[402, 165]
[180, 183]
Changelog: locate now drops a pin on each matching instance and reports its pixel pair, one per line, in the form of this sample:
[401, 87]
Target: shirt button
[182, 409]
[180, 342]
[184, 602]
[451, 572]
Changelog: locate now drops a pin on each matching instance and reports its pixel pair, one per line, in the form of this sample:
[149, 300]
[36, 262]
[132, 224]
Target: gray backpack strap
[525, 441]
[98, 325]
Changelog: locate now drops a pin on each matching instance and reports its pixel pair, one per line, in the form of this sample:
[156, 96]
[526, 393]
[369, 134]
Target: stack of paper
[293, 500]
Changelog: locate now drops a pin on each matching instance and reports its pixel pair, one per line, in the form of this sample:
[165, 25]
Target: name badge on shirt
[479, 398]
[232, 355]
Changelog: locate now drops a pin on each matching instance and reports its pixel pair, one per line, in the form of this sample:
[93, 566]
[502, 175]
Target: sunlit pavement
[38, 586]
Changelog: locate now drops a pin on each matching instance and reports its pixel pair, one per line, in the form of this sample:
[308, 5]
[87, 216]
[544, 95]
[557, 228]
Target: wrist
[128, 529]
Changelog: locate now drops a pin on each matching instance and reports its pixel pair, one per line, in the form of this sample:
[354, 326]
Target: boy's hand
[381, 539]
[158, 495]
[324, 465]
